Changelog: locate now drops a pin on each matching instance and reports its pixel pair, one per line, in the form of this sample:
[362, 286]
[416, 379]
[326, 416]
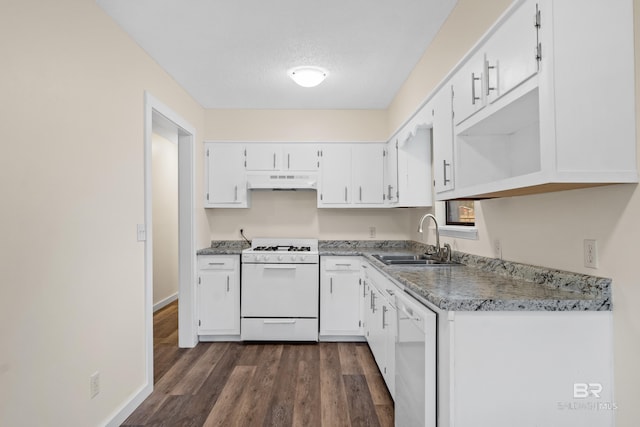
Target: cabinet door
[414, 170]
[339, 303]
[218, 308]
[263, 157]
[468, 93]
[389, 314]
[443, 140]
[511, 52]
[300, 157]
[335, 175]
[367, 166]
[391, 172]
[226, 182]
[376, 337]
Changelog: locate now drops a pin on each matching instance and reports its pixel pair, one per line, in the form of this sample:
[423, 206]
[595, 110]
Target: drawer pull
[279, 322]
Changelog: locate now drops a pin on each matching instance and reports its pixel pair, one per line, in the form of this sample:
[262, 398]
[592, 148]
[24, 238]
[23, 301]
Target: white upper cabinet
[390, 174]
[414, 171]
[408, 162]
[282, 157]
[335, 175]
[226, 184]
[351, 175]
[468, 88]
[443, 140]
[558, 106]
[300, 157]
[367, 164]
[263, 157]
[511, 54]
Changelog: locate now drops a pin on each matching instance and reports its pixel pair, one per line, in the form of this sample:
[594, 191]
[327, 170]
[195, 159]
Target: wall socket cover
[590, 253]
[94, 384]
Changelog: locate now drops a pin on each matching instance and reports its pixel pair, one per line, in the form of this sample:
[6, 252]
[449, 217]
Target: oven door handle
[279, 322]
[280, 267]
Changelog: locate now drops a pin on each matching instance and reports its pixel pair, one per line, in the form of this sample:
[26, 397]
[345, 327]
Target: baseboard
[342, 338]
[162, 303]
[127, 409]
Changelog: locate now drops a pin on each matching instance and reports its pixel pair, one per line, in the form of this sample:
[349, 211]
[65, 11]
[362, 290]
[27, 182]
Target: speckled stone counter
[224, 247]
[483, 284]
[480, 284]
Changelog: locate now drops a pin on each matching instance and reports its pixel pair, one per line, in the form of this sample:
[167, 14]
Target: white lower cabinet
[380, 322]
[340, 288]
[526, 368]
[218, 297]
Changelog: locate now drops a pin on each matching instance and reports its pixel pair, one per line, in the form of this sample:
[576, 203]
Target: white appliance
[415, 364]
[280, 290]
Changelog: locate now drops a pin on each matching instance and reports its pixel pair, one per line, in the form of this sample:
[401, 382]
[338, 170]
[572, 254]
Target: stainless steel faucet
[425, 216]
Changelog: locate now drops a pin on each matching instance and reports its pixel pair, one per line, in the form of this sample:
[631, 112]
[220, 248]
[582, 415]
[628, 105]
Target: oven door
[280, 290]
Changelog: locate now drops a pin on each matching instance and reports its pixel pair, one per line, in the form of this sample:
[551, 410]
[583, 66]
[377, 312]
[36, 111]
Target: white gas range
[280, 290]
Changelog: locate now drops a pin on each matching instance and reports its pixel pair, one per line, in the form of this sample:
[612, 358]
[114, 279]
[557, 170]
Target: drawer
[217, 262]
[341, 263]
[275, 329]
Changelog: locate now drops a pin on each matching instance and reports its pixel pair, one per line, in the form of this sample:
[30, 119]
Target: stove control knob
[279, 257]
[301, 257]
[265, 258]
[293, 257]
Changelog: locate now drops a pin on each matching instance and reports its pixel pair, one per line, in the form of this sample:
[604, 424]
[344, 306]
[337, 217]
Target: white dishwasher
[415, 364]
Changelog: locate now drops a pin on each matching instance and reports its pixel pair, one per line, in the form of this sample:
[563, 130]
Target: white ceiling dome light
[307, 76]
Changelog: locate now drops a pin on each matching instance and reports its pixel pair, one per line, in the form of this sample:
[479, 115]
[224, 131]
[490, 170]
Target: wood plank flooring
[270, 384]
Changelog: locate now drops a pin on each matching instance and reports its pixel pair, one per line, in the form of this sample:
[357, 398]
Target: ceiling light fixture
[308, 76]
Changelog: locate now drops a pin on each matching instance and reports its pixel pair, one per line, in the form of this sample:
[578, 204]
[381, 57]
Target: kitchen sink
[410, 259]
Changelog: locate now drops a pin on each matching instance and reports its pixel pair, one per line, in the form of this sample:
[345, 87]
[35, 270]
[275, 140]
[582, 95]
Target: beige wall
[72, 272]
[294, 213]
[164, 166]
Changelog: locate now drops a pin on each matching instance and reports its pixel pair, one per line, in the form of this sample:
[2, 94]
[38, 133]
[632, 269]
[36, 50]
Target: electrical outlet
[590, 253]
[94, 384]
[372, 232]
[497, 249]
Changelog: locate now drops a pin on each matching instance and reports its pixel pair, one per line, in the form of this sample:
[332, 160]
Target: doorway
[160, 119]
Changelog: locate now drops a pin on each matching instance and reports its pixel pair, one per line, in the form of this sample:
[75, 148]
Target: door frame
[187, 334]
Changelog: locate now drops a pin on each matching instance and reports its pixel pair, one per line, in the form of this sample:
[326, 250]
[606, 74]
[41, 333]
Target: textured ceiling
[235, 54]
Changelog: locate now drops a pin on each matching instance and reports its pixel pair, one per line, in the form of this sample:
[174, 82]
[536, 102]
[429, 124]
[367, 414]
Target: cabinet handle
[389, 192]
[474, 98]
[360, 193]
[288, 161]
[364, 289]
[343, 265]
[384, 316]
[227, 283]
[444, 171]
[331, 285]
[274, 160]
[373, 302]
[488, 67]
[235, 194]
[216, 263]
[345, 194]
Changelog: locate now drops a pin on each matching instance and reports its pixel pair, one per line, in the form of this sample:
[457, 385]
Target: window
[460, 212]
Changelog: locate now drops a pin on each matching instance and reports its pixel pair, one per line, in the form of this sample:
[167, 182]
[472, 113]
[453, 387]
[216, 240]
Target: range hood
[282, 181]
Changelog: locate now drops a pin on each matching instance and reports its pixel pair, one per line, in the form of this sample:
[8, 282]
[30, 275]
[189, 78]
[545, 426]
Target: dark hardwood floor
[272, 384]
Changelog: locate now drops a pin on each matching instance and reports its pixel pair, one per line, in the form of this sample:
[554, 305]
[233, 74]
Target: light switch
[142, 233]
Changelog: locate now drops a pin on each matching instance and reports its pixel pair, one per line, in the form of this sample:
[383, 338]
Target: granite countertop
[480, 284]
